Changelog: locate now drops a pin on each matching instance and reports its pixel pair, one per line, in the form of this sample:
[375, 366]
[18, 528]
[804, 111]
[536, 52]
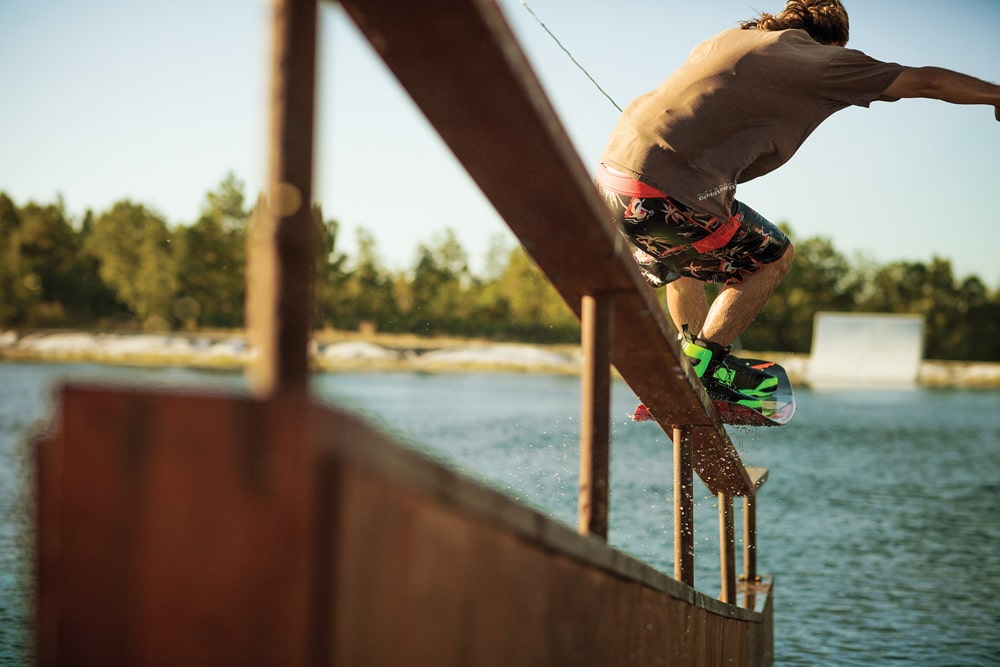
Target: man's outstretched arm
[943, 84]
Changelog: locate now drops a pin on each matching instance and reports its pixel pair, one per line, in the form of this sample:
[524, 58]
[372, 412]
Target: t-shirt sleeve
[855, 78]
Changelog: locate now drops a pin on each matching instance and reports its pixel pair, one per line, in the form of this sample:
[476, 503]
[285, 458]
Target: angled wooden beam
[462, 66]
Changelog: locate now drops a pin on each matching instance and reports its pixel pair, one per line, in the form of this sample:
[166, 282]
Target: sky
[104, 100]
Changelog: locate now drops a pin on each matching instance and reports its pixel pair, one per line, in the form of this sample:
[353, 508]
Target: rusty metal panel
[173, 530]
[195, 529]
[461, 64]
[421, 580]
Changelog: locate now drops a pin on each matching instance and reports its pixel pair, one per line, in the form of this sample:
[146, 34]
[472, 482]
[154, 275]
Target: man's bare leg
[737, 305]
[687, 304]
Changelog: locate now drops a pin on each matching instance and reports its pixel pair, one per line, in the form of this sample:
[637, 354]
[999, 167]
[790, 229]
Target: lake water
[880, 520]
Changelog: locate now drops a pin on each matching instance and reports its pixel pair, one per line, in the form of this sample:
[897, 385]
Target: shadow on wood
[202, 529]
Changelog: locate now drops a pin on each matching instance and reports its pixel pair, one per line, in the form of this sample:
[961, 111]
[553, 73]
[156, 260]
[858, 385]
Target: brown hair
[824, 20]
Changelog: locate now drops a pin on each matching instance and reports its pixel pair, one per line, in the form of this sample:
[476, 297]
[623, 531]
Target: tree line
[126, 267]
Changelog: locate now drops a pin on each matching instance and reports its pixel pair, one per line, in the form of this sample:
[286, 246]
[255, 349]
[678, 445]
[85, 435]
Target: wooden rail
[462, 66]
[183, 528]
[190, 528]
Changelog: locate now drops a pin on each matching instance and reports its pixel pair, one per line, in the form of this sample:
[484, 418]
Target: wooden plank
[727, 549]
[175, 530]
[48, 578]
[426, 582]
[206, 529]
[595, 414]
[757, 476]
[492, 112]
[760, 645]
[750, 538]
[683, 508]
[282, 258]
[735, 648]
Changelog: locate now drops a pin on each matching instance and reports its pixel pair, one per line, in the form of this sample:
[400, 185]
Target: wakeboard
[778, 408]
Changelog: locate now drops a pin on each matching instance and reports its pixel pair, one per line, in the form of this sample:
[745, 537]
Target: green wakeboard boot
[707, 360]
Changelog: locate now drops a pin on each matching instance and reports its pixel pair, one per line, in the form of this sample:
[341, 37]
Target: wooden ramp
[462, 66]
[183, 529]
[187, 529]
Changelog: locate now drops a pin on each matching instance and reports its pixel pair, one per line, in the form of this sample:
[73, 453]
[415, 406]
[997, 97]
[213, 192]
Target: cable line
[566, 51]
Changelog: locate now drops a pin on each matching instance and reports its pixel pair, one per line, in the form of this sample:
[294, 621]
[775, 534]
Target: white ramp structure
[865, 350]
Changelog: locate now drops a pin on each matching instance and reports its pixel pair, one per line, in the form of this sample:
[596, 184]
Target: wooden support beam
[749, 578]
[683, 507]
[177, 529]
[750, 538]
[727, 549]
[757, 478]
[507, 136]
[595, 413]
[281, 263]
[200, 529]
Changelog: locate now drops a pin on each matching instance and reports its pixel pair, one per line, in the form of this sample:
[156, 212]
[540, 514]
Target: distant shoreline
[353, 352]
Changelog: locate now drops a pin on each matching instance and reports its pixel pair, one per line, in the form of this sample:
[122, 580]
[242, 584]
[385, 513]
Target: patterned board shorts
[672, 240]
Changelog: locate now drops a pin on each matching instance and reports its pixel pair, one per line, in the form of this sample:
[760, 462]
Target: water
[880, 520]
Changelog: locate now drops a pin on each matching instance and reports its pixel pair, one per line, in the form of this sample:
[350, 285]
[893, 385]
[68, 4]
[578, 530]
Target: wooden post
[750, 578]
[595, 414]
[727, 549]
[750, 551]
[683, 507]
[282, 253]
[750, 538]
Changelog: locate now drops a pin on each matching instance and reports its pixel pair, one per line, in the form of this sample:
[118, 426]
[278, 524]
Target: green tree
[535, 309]
[133, 248]
[333, 307]
[212, 261]
[944, 332]
[94, 301]
[371, 293]
[11, 289]
[489, 314]
[226, 205]
[438, 290]
[45, 277]
[45, 249]
[979, 314]
[955, 317]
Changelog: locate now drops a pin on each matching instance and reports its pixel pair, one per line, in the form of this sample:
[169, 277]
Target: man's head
[824, 20]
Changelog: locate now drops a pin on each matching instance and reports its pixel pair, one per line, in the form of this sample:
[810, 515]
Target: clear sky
[102, 100]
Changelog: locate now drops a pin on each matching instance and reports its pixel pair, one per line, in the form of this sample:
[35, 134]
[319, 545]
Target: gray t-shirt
[740, 107]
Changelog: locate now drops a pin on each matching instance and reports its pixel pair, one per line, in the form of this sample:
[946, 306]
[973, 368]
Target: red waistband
[720, 237]
[625, 185]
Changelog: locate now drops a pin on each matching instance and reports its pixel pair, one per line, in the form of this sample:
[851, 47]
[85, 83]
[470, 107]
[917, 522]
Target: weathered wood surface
[593, 505]
[170, 524]
[280, 271]
[199, 529]
[463, 68]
